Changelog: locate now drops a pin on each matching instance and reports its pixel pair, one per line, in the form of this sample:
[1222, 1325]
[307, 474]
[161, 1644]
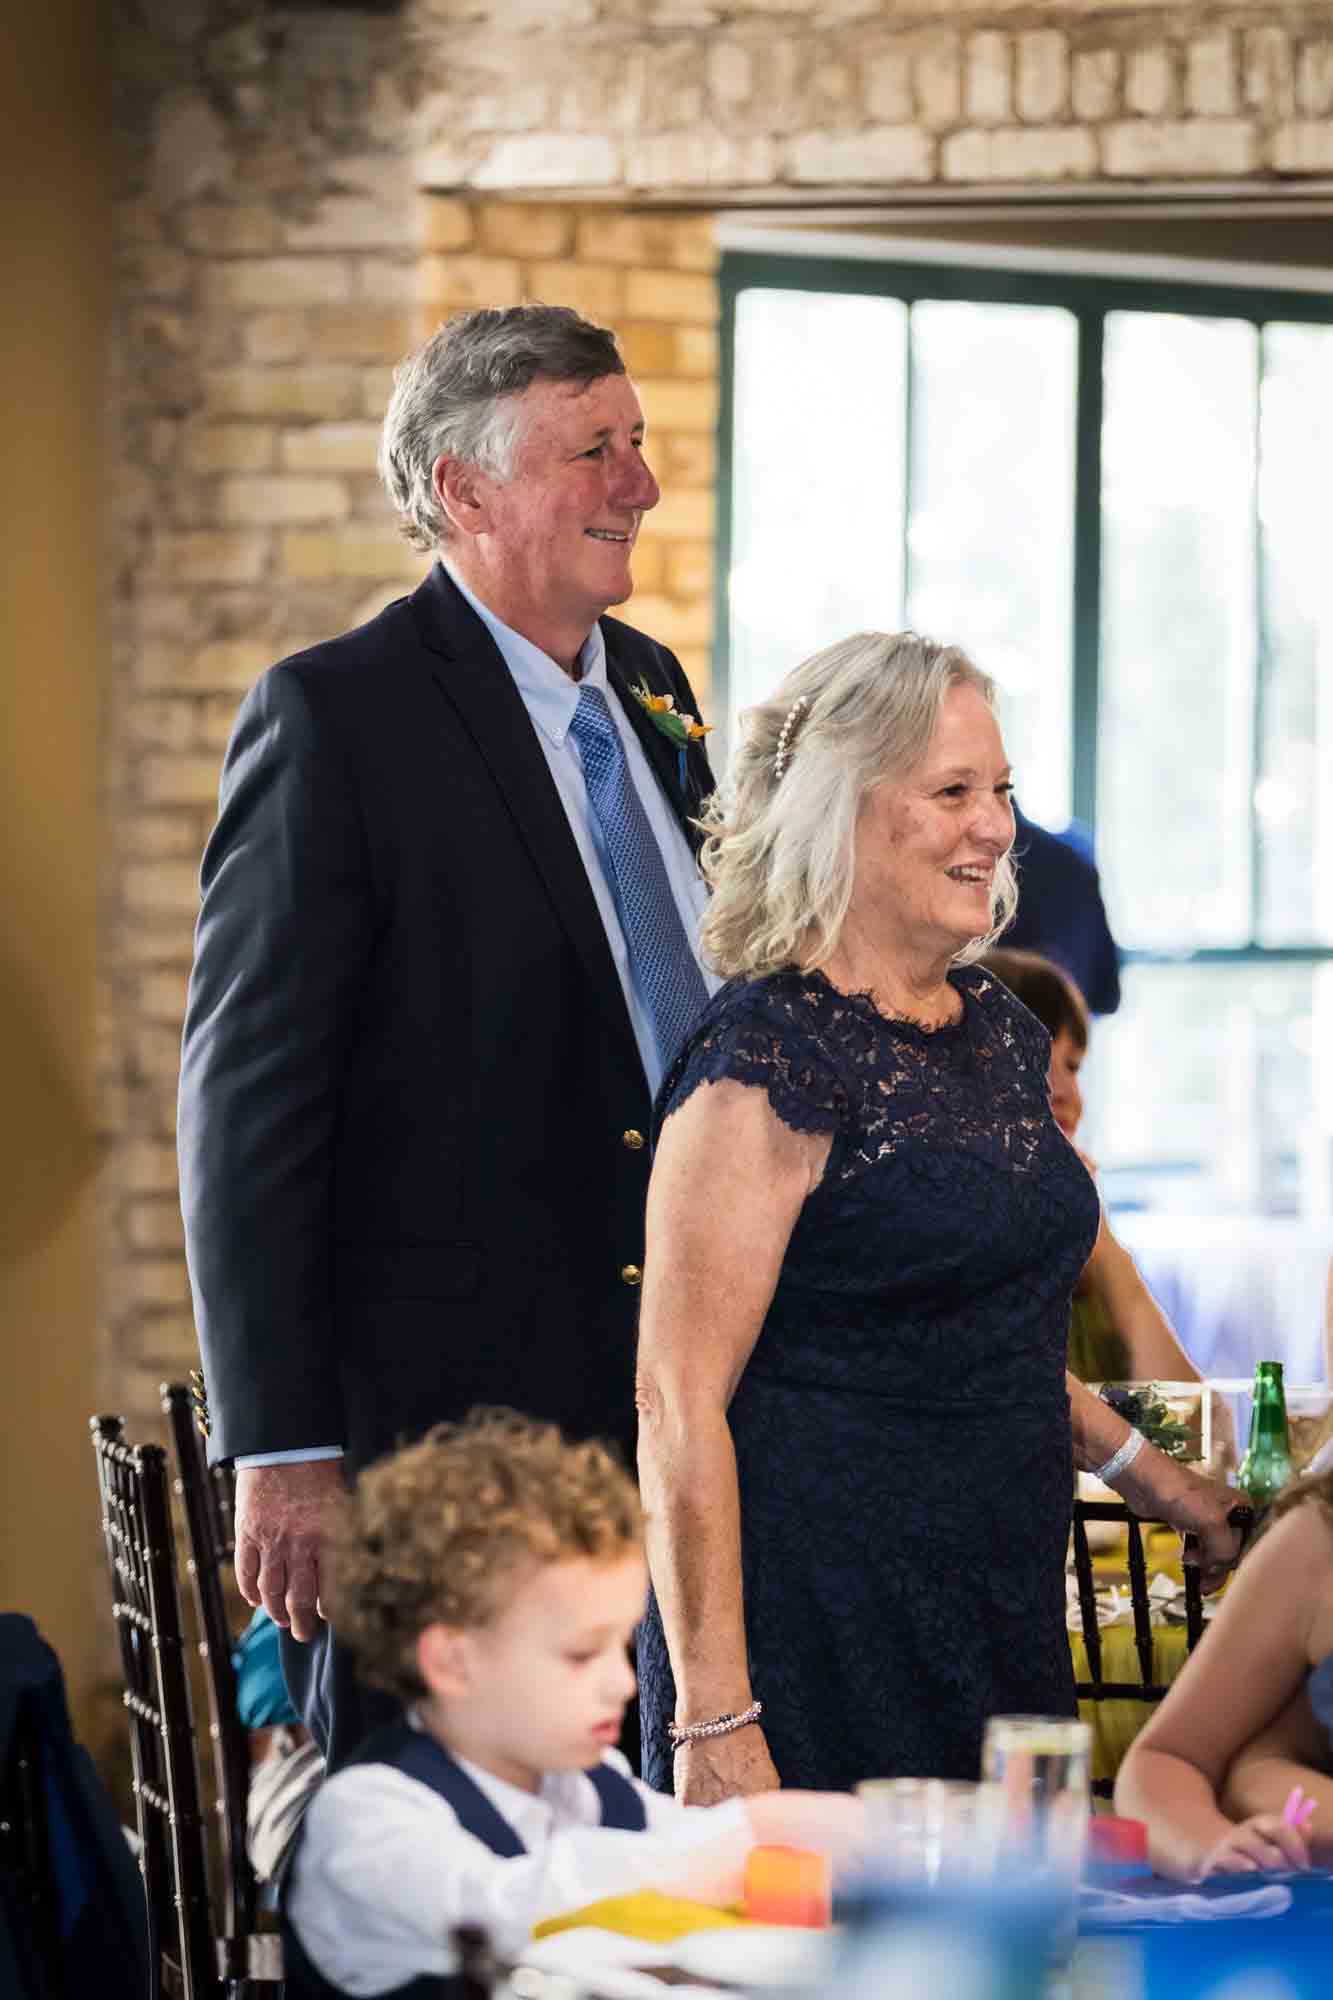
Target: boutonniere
[678, 727]
[683, 729]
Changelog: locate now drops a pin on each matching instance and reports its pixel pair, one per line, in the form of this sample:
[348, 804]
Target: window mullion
[1260, 649]
[909, 375]
[1087, 636]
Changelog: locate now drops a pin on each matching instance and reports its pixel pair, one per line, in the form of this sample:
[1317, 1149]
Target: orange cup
[788, 1885]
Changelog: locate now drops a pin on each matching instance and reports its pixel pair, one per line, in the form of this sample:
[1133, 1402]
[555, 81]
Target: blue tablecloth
[1205, 1960]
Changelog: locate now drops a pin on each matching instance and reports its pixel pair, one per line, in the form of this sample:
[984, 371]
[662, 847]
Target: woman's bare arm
[1242, 1676]
[1156, 1486]
[1293, 1750]
[727, 1186]
[1154, 1352]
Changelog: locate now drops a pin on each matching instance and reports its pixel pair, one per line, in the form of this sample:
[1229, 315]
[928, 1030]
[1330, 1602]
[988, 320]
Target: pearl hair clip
[782, 755]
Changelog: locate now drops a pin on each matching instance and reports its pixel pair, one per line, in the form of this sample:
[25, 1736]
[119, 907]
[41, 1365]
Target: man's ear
[463, 491]
[443, 1661]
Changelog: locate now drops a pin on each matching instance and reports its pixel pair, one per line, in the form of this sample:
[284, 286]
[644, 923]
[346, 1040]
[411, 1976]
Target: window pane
[1293, 810]
[1202, 1088]
[991, 536]
[818, 460]
[1178, 637]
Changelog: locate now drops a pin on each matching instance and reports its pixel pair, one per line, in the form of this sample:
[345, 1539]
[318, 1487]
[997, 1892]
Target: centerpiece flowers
[1142, 1405]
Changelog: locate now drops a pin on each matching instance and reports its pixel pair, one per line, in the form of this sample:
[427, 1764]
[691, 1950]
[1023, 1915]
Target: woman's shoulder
[789, 1002]
[993, 996]
[1297, 1551]
[1286, 1580]
[1016, 1026]
[771, 1032]
[1303, 1535]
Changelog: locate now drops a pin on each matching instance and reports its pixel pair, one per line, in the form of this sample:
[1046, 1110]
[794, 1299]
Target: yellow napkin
[645, 1914]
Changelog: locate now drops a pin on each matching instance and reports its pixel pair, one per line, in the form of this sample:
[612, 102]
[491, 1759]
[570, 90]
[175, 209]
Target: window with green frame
[1113, 492]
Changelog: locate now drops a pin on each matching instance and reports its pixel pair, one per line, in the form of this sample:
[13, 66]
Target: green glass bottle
[1266, 1466]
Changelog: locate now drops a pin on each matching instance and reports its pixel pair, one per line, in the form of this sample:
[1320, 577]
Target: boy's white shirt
[384, 1872]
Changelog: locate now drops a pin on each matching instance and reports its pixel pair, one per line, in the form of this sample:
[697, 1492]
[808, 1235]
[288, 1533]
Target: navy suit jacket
[411, 1105]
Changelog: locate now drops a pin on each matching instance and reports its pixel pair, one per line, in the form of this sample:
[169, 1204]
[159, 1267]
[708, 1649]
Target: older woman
[863, 1231]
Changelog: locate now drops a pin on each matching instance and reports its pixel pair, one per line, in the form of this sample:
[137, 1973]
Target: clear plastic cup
[926, 1829]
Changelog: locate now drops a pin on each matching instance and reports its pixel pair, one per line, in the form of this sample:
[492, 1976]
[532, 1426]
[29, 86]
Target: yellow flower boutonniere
[682, 729]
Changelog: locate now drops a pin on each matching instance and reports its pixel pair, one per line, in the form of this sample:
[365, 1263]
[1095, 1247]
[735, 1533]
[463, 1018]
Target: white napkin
[616, 1967]
[1110, 1905]
[607, 1963]
[1115, 1604]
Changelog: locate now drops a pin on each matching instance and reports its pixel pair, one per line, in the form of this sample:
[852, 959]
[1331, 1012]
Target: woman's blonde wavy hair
[779, 852]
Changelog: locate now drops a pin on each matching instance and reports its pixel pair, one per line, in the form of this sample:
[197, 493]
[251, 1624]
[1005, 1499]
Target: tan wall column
[54, 169]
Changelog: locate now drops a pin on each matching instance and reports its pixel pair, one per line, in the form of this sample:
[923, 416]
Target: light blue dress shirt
[550, 697]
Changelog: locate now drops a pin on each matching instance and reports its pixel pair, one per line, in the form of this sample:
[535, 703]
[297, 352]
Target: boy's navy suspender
[419, 1756]
[424, 1759]
[622, 1807]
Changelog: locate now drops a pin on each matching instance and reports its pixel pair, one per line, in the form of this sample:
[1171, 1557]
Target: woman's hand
[725, 1767]
[1159, 1489]
[1202, 1510]
[1259, 1842]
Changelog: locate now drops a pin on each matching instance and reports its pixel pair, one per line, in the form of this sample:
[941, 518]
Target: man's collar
[551, 696]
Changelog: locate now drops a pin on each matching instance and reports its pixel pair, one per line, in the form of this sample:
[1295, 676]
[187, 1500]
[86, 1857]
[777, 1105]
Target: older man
[445, 951]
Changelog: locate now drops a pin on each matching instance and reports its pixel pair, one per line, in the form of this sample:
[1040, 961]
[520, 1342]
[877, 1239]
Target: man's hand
[284, 1516]
[725, 1767]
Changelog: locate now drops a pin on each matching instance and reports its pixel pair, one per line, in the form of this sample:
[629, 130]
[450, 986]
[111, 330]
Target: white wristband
[1121, 1460]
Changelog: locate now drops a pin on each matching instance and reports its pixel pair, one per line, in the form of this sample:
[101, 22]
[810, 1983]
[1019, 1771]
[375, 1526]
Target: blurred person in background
[285, 1765]
[1117, 1330]
[1060, 909]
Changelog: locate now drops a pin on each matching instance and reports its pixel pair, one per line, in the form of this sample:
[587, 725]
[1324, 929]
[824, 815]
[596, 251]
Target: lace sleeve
[764, 1047]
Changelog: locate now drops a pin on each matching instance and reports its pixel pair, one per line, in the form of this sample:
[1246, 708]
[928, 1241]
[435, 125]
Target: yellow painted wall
[54, 280]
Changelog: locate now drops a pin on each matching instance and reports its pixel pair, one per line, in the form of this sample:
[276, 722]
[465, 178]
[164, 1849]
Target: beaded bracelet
[721, 1725]
[1121, 1460]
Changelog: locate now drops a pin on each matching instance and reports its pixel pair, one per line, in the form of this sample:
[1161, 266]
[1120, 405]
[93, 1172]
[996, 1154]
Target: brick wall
[276, 256]
[777, 96]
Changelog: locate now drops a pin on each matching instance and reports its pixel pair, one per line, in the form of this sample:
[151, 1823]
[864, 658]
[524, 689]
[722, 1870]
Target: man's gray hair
[457, 397]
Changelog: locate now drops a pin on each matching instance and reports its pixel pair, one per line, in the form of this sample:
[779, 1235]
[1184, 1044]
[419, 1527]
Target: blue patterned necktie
[666, 972]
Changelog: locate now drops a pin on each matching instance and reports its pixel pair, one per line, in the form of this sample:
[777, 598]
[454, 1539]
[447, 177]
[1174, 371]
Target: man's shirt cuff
[305, 1457]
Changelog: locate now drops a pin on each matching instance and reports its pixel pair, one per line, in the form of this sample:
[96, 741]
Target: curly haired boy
[492, 1576]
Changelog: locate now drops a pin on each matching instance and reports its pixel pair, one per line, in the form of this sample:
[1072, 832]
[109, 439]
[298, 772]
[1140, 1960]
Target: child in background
[285, 1767]
[1117, 1330]
[492, 1577]
[1250, 1718]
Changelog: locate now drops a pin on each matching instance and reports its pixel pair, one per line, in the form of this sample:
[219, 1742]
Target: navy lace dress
[902, 1426]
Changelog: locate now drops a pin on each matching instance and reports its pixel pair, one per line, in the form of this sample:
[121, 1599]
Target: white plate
[758, 1955]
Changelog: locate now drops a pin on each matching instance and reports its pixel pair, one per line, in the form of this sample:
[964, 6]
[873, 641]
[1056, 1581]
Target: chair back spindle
[1147, 1688]
[141, 1557]
[207, 1496]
